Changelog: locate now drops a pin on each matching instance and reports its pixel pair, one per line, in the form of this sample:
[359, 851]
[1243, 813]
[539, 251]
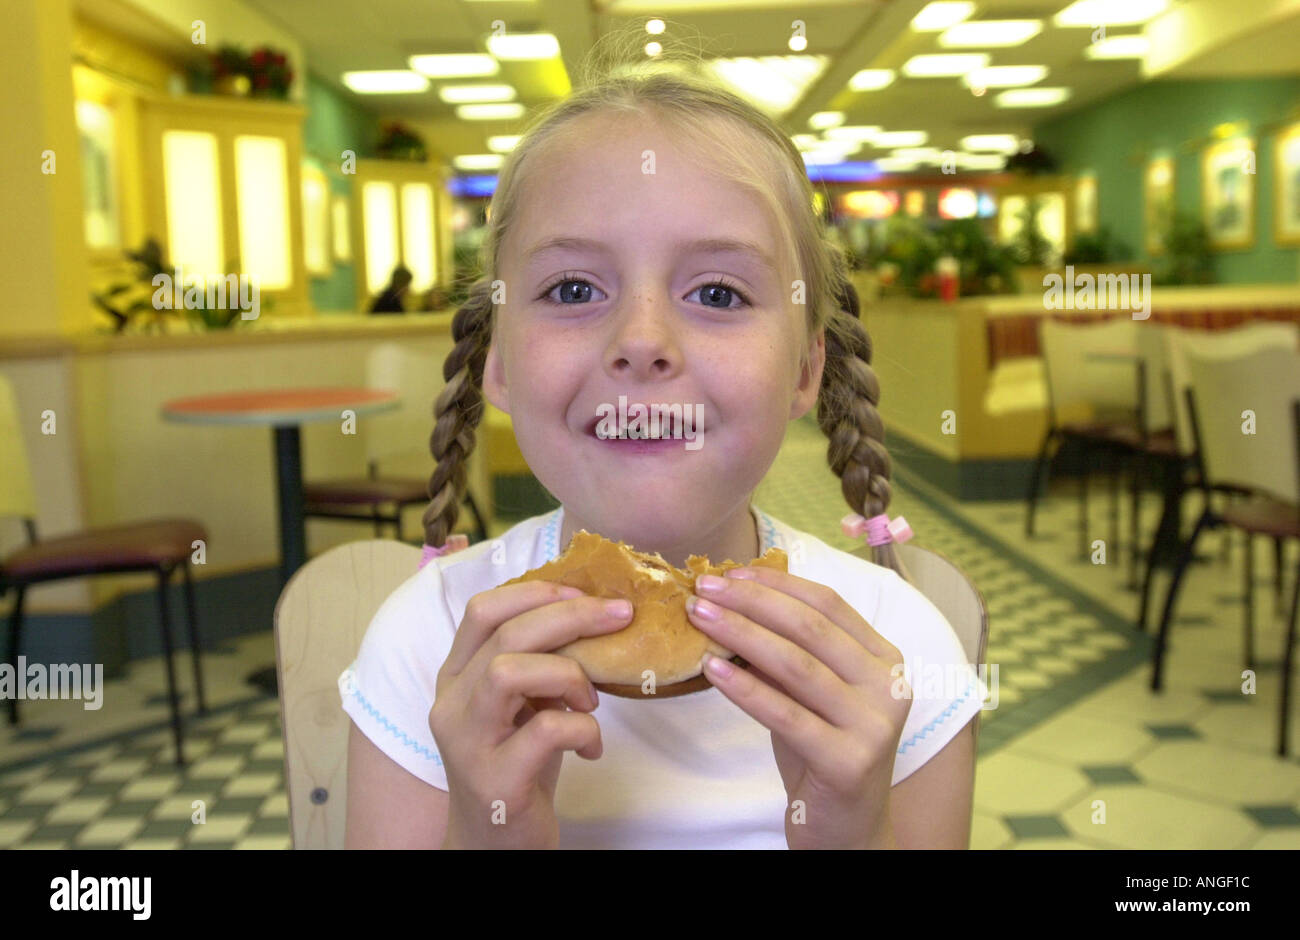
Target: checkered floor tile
[130, 794]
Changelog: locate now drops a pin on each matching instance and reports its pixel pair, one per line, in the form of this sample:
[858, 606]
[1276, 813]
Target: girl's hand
[499, 715]
[822, 681]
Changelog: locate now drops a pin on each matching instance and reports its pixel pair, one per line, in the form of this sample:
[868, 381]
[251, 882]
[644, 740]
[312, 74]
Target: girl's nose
[644, 345]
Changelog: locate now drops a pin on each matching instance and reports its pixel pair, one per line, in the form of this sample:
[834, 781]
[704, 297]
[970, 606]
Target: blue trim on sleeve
[767, 534]
[551, 536]
[392, 728]
[938, 719]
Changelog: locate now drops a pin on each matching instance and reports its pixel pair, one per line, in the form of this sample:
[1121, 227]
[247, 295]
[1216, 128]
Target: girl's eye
[723, 292]
[571, 290]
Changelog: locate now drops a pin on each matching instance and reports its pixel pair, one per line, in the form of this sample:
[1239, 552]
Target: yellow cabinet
[223, 190]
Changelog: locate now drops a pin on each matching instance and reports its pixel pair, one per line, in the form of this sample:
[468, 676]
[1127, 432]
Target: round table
[284, 410]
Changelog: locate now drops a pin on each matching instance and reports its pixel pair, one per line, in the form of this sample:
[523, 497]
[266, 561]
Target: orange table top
[280, 406]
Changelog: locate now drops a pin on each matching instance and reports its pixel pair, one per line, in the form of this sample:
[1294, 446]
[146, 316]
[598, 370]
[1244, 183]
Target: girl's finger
[800, 623]
[490, 609]
[804, 732]
[821, 598]
[548, 732]
[513, 681]
[804, 677]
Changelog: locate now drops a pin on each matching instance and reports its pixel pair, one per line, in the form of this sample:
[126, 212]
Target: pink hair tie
[879, 530]
[454, 544]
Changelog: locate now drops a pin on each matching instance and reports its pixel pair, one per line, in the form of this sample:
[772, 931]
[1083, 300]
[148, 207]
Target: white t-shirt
[693, 771]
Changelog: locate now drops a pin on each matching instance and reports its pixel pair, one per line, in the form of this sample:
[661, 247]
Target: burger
[660, 652]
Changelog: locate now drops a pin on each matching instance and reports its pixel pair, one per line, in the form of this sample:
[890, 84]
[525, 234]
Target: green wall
[335, 124]
[1115, 137]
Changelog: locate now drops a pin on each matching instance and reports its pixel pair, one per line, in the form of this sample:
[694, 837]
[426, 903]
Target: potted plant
[1187, 258]
[1032, 251]
[270, 73]
[399, 142]
[230, 71]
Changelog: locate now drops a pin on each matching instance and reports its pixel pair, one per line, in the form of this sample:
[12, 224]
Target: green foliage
[399, 142]
[1031, 246]
[1187, 258]
[914, 248]
[130, 303]
[1098, 248]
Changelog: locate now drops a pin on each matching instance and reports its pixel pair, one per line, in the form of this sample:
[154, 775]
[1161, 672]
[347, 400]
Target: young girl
[653, 237]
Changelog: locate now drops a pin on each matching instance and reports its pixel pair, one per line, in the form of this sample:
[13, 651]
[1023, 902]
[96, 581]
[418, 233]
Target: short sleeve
[390, 687]
[946, 689]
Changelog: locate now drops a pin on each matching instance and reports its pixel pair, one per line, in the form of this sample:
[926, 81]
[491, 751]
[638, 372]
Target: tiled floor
[1078, 754]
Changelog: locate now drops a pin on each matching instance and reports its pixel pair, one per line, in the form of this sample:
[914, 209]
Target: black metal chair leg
[1035, 480]
[1288, 655]
[195, 647]
[1112, 550]
[1185, 554]
[1083, 512]
[165, 623]
[15, 638]
[1135, 515]
[1249, 547]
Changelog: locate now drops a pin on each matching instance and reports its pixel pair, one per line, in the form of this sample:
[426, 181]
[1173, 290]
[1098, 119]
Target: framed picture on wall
[1085, 204]
[1228, 193]
[1157, 202]
[1286, 178]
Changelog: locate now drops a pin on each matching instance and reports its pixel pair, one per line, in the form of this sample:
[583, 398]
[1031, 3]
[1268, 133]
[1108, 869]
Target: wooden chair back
[320, 620]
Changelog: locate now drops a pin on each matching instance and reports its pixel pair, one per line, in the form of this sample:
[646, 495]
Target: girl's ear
[810, 377]
[494, 378]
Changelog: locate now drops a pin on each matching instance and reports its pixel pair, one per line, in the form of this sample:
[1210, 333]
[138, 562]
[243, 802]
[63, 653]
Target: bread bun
[660, 637]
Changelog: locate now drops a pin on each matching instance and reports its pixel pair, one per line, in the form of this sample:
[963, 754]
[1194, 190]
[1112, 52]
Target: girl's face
[616, 284]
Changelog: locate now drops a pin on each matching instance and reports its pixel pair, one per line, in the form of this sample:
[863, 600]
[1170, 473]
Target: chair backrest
[1244, 421]
[1230, 343]
[403, 433]
[320, 620]
[1152, 348]
[1074, 379]
[952, 591]
[17, 496]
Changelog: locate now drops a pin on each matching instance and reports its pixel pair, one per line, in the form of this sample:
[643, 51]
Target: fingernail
[702, 608]
[709, 584]
[619, 610]
[718, 666]
[745, 574]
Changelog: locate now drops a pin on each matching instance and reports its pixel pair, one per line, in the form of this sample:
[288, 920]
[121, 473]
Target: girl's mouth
[645, 437]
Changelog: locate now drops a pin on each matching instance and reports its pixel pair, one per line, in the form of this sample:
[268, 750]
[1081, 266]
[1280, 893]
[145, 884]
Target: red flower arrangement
[267, 70]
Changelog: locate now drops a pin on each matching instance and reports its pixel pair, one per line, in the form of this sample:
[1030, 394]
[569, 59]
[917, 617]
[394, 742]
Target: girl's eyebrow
[698, 246]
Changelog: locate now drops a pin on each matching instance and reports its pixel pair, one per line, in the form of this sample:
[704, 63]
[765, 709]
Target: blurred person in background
[390, 301]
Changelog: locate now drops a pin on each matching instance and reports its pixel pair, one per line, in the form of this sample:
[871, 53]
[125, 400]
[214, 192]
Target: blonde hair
[760, 156]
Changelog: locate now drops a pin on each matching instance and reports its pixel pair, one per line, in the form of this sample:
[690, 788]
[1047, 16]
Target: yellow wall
[42, 245]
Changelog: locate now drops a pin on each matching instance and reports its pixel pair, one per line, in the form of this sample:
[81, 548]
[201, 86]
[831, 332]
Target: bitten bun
[660, 637]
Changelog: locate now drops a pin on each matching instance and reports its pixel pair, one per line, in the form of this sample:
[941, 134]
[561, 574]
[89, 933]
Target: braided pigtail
[457, 411]
[847, 416]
